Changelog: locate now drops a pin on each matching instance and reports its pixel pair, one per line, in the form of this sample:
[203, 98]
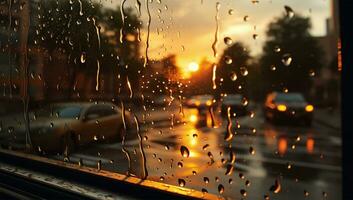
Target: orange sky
[187, 27]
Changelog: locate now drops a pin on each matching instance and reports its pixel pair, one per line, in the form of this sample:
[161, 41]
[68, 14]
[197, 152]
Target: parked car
[200, 101]
[237, 104]
[62, 127]
[282, 107]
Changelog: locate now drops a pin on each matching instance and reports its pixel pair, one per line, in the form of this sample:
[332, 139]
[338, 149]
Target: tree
[90, 37]
[232, 70]
[290, 55]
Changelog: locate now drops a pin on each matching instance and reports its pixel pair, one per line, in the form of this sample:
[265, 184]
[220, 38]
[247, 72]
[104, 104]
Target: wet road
[281, 162]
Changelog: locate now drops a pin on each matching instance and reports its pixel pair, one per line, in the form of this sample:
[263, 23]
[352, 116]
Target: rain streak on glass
[276, 188]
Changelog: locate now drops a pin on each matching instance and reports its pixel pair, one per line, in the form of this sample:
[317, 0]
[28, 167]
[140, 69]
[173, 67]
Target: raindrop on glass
[287, 59]
[243, 192]
[289, 11]
[251, 150]
[184, 151]
[233, 76]
[181, 182]
[228, 41]
[220, 189]
[228, 60]
[206, 180]
[244, 71]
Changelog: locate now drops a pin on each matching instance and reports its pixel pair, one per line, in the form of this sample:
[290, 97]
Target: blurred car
[282, 107]
[200, 101]
[63, 127]
[237, 104]
[163, 101]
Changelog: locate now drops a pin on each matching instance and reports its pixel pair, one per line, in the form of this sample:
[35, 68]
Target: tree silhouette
[290, 55]
[87, 30]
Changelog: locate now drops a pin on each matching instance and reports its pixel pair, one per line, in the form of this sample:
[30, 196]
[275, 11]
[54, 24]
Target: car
[237, 104]
[163, 101]
[63, 127]
[283, 107]
[200, 101]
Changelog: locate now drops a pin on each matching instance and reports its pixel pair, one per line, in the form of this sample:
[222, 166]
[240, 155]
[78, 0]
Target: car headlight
[193, 118]
[309, 108]
[282, 108]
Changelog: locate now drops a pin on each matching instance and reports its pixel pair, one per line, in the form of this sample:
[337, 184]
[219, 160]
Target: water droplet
[194, 173]
[244, 71]
[10, 129]
[184, 151]
[228, 60]
[204, 190]
[230, 181]
[83, 57]
[180, 164]
[244, 101]
[306, 193]
[277, 49]
[230, 11]
[273, 68]
[247, 183]
[246, 18]
[99, 165]
[243, 192]
[166, 147]
[205, 147]
[251, 150]
[161, 178]
[324, 194]
[181, 182]
[289, 166]
[228, 41]
[289, 11]
[229, 170]
[220, 189]
[194, 135]
[241, 176]
[255, 36]
[287, 59]
[233, 76]
[206, 180]
[312, 73]
[276, 188]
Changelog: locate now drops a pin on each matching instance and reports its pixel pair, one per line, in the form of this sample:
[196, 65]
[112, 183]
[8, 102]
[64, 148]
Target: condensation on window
[239, 99]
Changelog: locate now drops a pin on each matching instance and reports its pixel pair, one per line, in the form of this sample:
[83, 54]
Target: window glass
[240, 99]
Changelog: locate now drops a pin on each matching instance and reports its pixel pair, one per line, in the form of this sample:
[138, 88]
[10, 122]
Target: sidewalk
[328, 118]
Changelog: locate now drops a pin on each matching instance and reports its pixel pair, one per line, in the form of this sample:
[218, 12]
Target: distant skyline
[188, 27]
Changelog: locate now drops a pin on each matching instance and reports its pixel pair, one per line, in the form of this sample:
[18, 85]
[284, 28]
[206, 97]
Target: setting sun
[193, 67]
